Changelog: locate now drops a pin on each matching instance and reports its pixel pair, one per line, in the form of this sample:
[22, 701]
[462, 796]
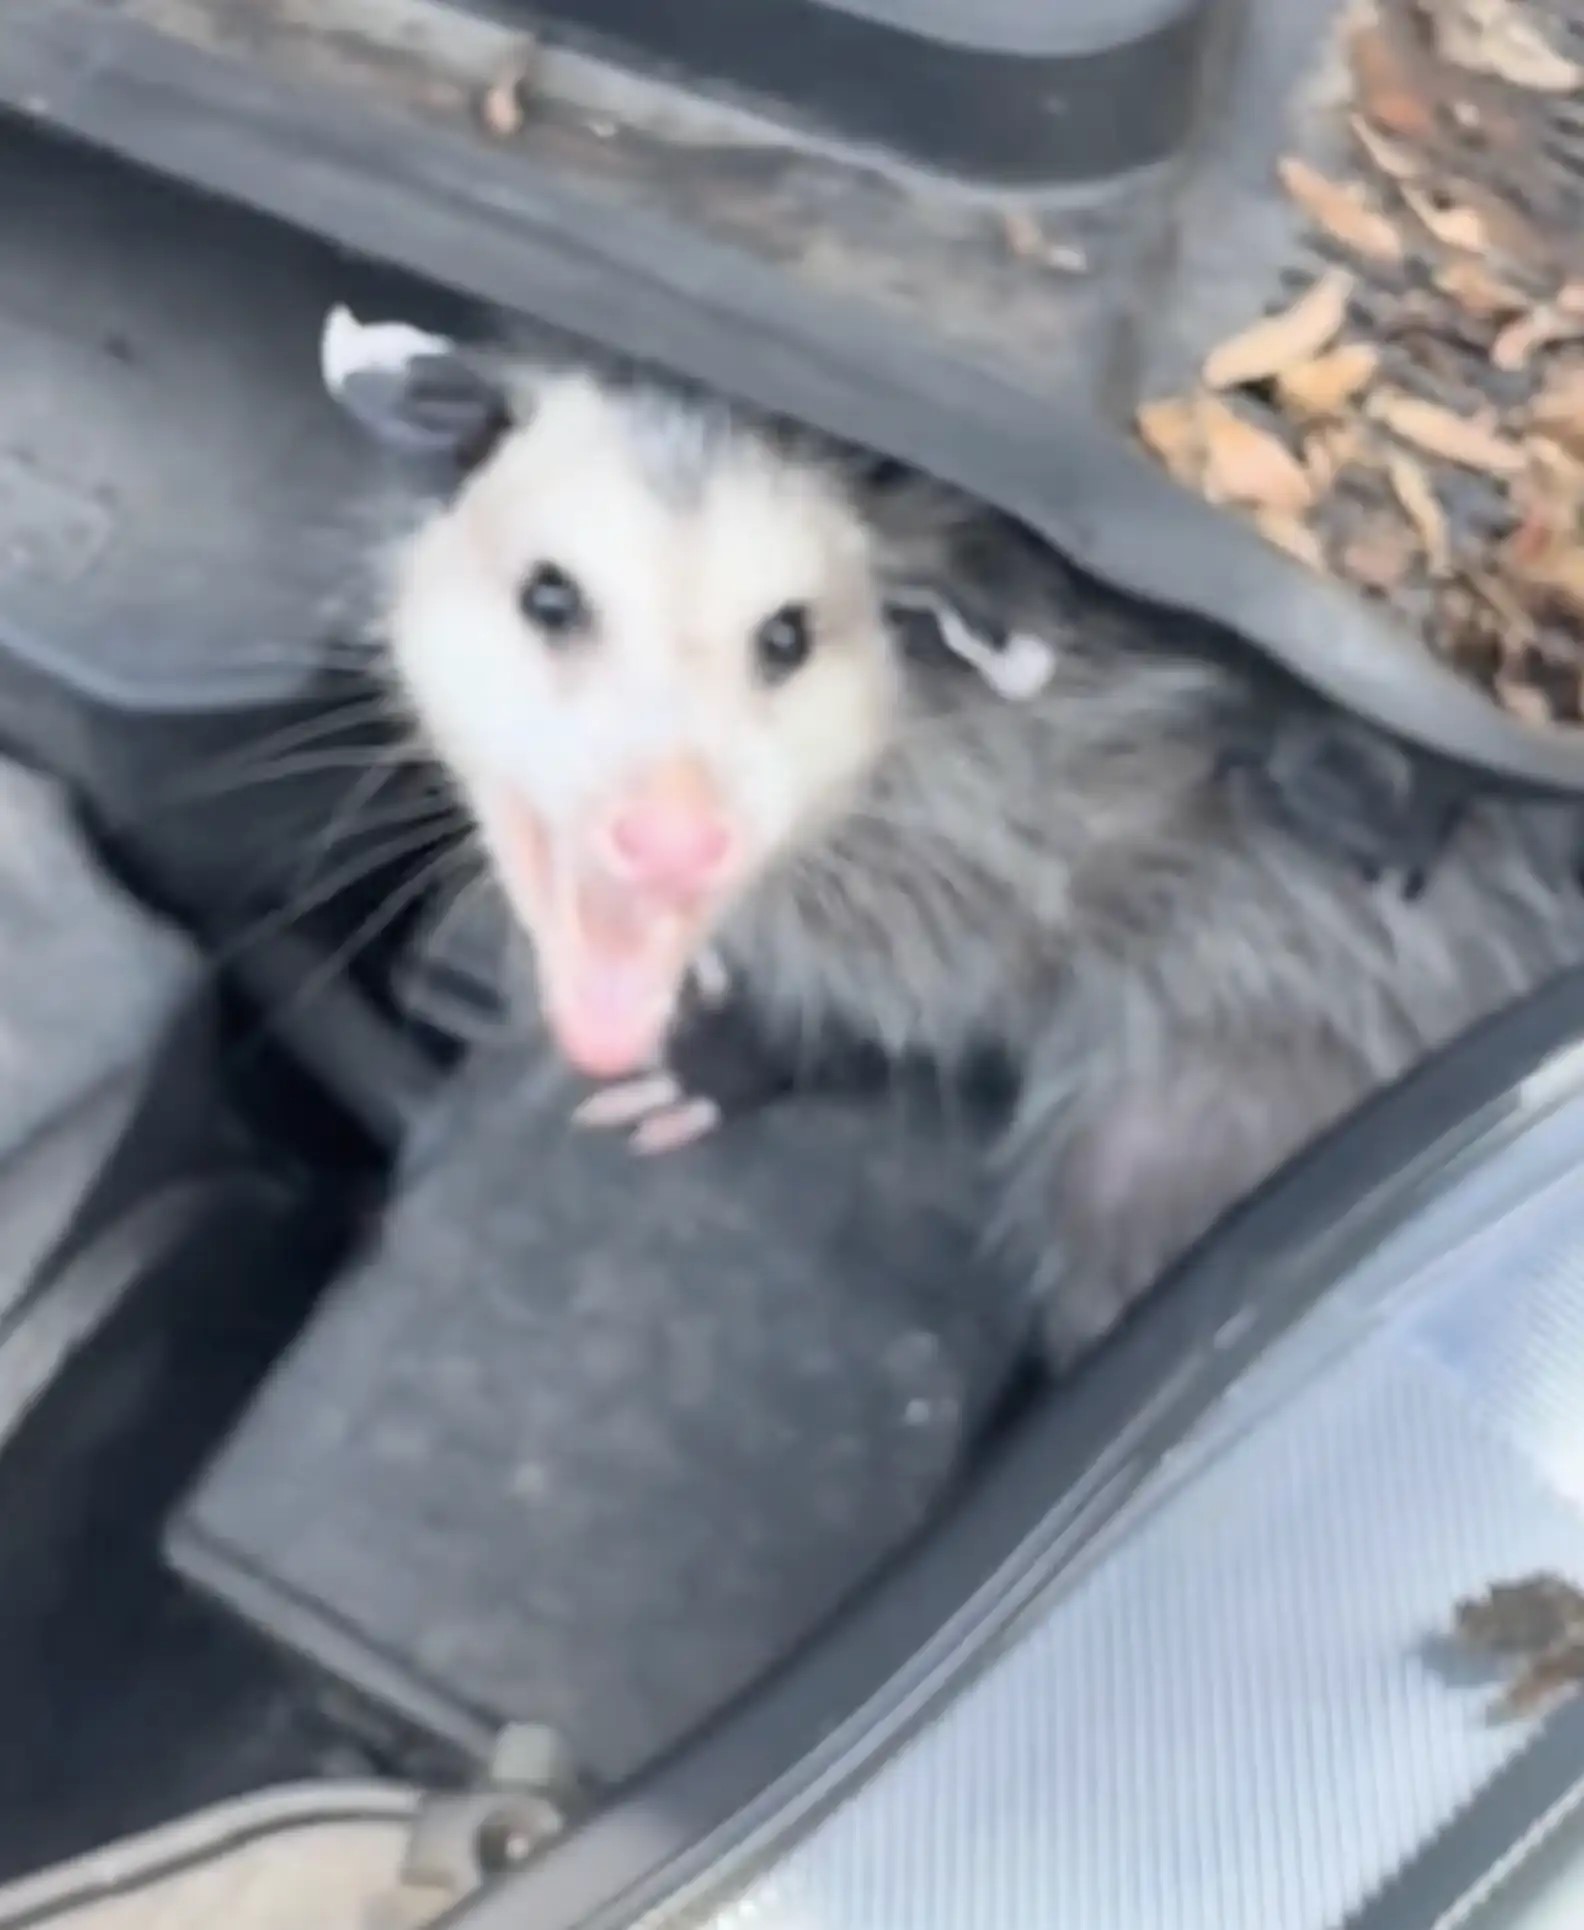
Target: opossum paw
[662, 1116]
[627, 1102]
[683, 1124]
[1078, 1311]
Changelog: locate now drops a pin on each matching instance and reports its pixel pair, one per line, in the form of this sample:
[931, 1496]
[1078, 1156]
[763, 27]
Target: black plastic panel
[179, 506]
[866, 311]
[1083, 97]
[183, 518]
[593, 1440]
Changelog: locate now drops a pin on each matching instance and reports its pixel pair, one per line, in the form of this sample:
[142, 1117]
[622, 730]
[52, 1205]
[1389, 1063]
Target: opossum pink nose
[670, 832]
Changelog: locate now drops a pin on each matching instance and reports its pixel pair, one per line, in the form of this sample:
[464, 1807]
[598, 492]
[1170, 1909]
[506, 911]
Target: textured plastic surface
[593, 1440]
[176, 500]
[1020, 26]
[87, 979]
[1029, 94]
[1245, 1715]
[184, 519]
[89, 985]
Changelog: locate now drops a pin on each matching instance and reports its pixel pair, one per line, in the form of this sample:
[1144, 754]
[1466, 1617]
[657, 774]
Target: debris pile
[1412, 420]
[1537, 1623]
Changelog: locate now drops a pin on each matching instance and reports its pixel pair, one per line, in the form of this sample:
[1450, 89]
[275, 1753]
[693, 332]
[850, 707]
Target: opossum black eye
[783, 642]
[553, 603]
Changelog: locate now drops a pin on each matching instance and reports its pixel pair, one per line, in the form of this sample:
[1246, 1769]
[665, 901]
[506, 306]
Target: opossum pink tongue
[614, 959]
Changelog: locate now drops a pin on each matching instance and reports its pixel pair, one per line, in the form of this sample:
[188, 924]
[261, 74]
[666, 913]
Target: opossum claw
[628, 1103]
[664, 1117]
[669, 1130]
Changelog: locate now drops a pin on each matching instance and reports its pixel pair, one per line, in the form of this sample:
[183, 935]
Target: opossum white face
[651, 650]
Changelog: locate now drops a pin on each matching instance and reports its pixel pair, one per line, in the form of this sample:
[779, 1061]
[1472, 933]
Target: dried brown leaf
[1554, 476]
[1523, 701]
[1548, 560]
[1523, 1617]
[1396, 162]
[1325, 385]
[1024, 236]
[503, 106]
[1547, 1679]
[1279, 342]
[1503, 604]
[1478, 291]
[1343, 210]
[1379, 556]
[1470, 443]
[1329, 450]
[1027, 238]
[1452, 225]
[1538, 1621]
[1557, 412]
[1543, 327]
[1495, 37]
[1415, 491]
[1170, 430]
[1292, 534]
[1388, 86]
[1247, 465]
[1549, 494]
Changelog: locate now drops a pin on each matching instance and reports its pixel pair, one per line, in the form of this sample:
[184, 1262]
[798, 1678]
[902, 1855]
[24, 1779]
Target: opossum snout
[670, 831]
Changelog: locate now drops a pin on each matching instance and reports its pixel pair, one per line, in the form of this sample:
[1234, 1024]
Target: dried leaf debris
[504, 104]
[1499, 37]
[1472, 442]
[1282, 342]
[1344, 210]
[1536, 1623]
[1325, 386]
[1416, 493]
[1409, 417]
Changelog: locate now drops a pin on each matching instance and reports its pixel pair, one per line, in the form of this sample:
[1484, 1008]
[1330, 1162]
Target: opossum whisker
[355, 816]
[346, 658]
[430, 807]
[262, 754]
[412, 755]
[384, 915]
[410, 843]
[326, 722]
[508, 1021]
[324, 649]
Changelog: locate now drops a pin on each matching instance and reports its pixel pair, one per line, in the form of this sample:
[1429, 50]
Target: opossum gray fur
[1188, 990]
[1192, 992]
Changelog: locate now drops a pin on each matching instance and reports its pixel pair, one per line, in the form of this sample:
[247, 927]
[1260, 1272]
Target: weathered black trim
[1497, 1825]
[978, 112]
[402, 188]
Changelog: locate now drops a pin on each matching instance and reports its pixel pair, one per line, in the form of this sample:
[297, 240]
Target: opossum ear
[415, 392]
[1016, 664]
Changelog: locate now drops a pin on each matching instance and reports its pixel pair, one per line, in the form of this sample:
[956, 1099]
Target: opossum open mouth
[613, 963]
[611, 956]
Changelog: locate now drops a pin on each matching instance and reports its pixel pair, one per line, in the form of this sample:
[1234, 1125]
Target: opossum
[657, 645]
